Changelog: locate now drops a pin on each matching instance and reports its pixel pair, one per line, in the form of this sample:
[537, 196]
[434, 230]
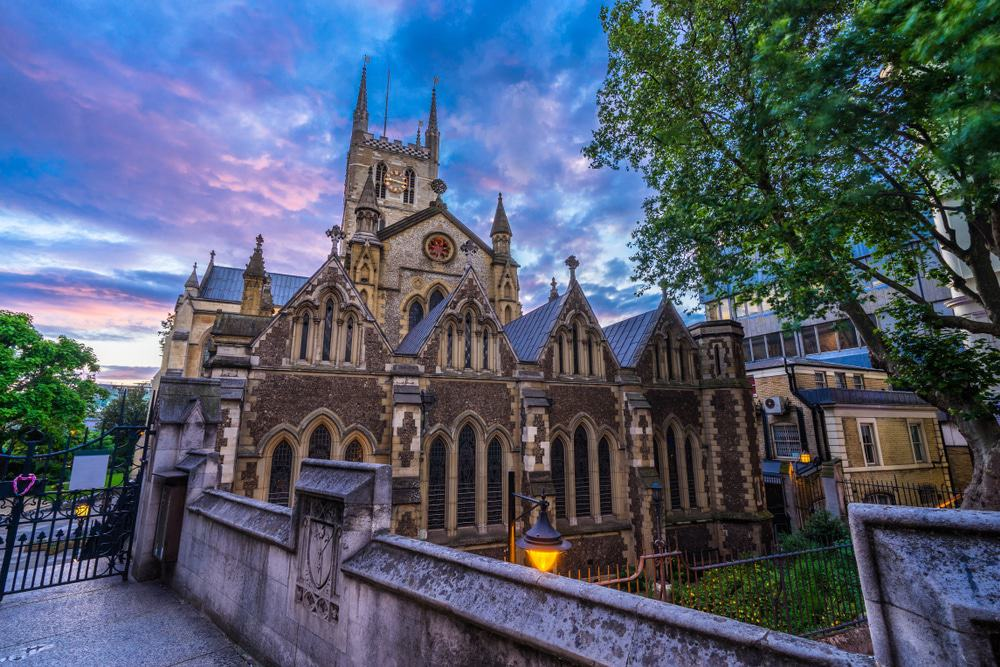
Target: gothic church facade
[408, 346]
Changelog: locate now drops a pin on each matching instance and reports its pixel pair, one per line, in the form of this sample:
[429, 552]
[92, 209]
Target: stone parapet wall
[325, 584]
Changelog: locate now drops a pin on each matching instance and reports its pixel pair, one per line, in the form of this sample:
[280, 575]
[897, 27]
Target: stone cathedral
[408, 346]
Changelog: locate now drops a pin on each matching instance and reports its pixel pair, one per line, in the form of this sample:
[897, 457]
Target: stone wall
[326, 584]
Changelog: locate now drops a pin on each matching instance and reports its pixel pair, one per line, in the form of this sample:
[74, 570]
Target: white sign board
[90, 470]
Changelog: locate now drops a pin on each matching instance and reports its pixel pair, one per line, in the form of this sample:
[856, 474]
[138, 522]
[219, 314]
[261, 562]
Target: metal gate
[68, 514]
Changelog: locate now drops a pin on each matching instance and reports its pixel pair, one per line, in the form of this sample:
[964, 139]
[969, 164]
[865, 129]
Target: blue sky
[137, 137]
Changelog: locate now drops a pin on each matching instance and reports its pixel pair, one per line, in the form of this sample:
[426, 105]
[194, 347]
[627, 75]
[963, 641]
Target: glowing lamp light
[805, 457]
[543, 543]
[81, 511]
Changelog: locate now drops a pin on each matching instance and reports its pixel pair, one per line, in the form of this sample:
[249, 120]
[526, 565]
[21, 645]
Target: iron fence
[894, 492]
[807, 593]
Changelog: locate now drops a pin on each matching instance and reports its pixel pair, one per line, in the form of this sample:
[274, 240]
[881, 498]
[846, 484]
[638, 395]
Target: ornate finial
[439, 187]
[211, 257]
[420, 126]
[192, 280]
[553, 293]
[260, 241]
[336, 235]
[470, 249]
[572, 263]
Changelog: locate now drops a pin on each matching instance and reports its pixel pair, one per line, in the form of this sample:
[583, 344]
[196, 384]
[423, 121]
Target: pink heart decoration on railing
[30, 478]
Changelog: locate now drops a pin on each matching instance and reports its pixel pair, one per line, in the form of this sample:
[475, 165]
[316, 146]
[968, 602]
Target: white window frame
[816, 377]
[876, 445]
[840, 379]
[854, 381]
[923, 440]
[774, 438]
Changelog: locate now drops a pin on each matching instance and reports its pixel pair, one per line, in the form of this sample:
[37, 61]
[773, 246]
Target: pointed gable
[529, 333]
[631, 337]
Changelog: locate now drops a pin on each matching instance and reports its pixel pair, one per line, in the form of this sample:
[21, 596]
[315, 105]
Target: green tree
[778, 137]
[47, 384]
[136, 406]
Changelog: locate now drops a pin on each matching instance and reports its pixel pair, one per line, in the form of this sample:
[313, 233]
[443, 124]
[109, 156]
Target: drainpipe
[768, 447]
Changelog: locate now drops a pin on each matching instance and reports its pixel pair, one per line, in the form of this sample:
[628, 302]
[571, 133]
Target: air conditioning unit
[774, 405]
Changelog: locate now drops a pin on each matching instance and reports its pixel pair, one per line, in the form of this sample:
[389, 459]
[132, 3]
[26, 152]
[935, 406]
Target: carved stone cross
[336, 235]
[572, 263]
[470, 249]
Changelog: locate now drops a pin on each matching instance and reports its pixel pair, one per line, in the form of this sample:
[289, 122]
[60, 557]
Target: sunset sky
[134, 140]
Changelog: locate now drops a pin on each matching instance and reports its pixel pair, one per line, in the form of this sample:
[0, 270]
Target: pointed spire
[367, 199]
[420, 126]
[255, 267]
[211, 259]
[361, 108]
[432, 121]
[500, 222]
[553, 293]
[192, 280]
[367, 213]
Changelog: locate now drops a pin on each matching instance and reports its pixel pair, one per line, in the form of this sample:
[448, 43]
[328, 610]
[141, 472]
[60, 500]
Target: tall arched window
[466, 505]
[411, 187]
[559, 365]
[670, 358]
[486, 349]
[657, 371]
[590, 356]
[558, 458]
[672, 476]
[451, 345]
[416, 314]
[576, 351]
[604, 476]
[683, 362]
[437, 487]
[280, 484]
[581, 470]
[494, 483]
[468, 340]
[692, 483]
[436, 297]
[354, 452]
[380, 180]
[656, 457]
[320, 443]
[348, 339]
[304, 339]
[327, 330]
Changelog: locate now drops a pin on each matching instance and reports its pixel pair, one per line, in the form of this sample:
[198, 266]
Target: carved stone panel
[322, 522]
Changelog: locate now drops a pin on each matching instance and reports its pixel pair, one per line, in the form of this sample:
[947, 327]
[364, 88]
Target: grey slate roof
[830, 396]
[225, 283]
[416, 337]
[628, 337]
[528, 333]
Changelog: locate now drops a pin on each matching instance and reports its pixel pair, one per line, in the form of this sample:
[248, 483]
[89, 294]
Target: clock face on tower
[395, 181]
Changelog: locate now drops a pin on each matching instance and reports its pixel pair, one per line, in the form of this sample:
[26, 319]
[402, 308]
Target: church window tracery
[468, 340]
[327, 331]
[280, 483]
[581, 470]
[354, 453]
[558, 459]
[604, 477]
[486, 349]
[304, 337]
[494, 483]
[436, 297]
[466, 496]
[348, 339]
[380, 173]
[416, 314]
[437, 489]
[691, 481]
[672, 477]
[576, 350]
[410, 188]
[320, 443]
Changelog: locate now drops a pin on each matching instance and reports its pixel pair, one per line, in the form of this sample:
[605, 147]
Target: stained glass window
[466, 509]
[354, 452]
[672, 476]
[280, 484]
[416, 314]
[437, 489]
[486, 349]
[411, 187]
[349, 339]
[380, 172]
[494, 483]
[581, 469]
[319, 443]
[304, 339]
[327, 330]
[692, 481]
[604, 476]
[436, 298]
[576, 351]
[558, 458]
[468, 340]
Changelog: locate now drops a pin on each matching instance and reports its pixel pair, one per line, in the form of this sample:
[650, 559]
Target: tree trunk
[983, 436]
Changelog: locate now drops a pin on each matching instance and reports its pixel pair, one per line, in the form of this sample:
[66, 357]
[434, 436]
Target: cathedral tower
[504, 287]
[402, 172]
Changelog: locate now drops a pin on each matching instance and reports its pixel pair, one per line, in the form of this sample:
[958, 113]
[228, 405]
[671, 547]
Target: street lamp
[805, 457]
[542, 543]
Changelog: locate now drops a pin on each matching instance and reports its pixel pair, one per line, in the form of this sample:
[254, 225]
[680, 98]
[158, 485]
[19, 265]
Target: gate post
[832, 474]
[791, 499]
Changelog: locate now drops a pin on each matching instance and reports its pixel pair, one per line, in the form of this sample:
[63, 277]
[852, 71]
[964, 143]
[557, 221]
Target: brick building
[408, 346]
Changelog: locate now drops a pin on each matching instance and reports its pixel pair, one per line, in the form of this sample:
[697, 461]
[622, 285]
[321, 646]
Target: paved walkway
[107, 622]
